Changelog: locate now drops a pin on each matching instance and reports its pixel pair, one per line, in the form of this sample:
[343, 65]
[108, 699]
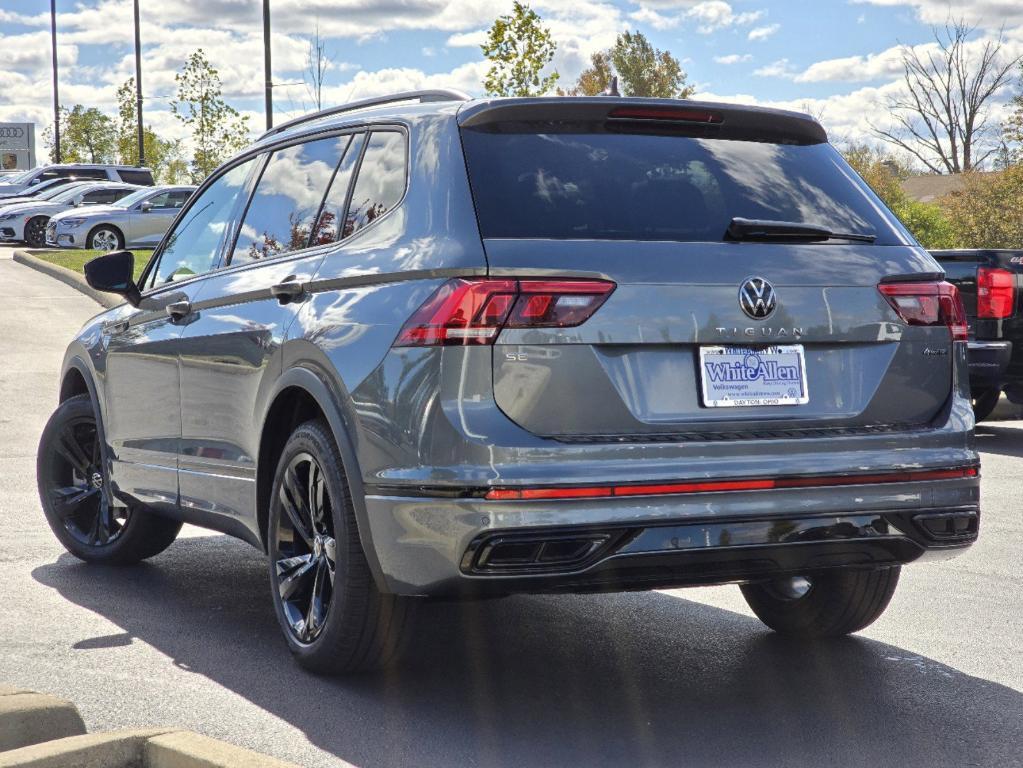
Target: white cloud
[988, 14]
[713, 15]
[762, 33]
[780, 68]
[873, 66]
[733, 58]
[467, 39]
[654, 19]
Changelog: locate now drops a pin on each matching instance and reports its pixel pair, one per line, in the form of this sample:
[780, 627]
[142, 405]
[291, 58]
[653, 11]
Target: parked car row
[103, 215]
[564, 344]
[129, 174]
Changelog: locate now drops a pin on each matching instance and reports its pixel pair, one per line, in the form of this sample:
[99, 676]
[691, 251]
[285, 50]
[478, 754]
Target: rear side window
[145, 178]
[649, 187]
[287, 199]
[328, 228]
[381, 180]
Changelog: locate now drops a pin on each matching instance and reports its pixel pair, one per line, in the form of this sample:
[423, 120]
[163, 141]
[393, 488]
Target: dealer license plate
[748, 376]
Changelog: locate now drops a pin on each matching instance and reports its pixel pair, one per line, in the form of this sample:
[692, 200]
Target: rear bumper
[989, 363]
[471, 546]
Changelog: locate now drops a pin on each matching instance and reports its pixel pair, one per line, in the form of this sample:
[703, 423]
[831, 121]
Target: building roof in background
[928, 187]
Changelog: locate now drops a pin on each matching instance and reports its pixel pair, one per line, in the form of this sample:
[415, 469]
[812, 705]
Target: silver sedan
[136, 221]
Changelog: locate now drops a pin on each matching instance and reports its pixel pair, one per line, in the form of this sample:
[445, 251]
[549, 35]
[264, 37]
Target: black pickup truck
[990, 282]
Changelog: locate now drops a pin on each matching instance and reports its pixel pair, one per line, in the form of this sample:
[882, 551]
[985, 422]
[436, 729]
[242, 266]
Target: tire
[984, 403]
[333, 616]
[71, 476]
[830, 604]
[35, 231]
[105, 238]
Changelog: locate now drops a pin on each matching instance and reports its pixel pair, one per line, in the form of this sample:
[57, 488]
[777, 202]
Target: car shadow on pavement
[1005, 441]
[610, 680]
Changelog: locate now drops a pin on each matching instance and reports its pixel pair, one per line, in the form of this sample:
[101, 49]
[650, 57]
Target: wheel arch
[302, 393]
[77, 378]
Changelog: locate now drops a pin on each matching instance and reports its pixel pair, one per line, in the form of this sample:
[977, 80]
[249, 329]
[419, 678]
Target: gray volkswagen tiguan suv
[431, 346]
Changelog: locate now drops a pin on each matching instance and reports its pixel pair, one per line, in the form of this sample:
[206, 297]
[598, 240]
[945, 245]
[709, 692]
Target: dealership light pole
[56, 98]
[138, 86]
[267, 84]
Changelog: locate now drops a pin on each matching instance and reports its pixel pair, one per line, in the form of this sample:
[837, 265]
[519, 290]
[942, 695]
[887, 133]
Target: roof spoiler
[563, 114]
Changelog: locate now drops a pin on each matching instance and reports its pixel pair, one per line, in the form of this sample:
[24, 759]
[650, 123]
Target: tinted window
[167, 200]
[381, 180]
[328, 229]
[192, 247]
[643, 187]
[144, 178]
[287, 198]
[104, 195]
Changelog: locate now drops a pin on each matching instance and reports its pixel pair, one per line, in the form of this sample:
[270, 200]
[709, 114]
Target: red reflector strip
[718, 486]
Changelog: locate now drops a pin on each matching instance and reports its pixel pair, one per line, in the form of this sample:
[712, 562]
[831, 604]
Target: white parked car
[136, 221]
[128, 174]
[26, 222]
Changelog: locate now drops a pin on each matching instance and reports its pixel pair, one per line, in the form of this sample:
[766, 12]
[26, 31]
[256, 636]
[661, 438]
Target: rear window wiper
[764, 230]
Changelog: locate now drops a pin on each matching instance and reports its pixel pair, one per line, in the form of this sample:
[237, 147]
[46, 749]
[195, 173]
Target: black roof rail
[422, 96]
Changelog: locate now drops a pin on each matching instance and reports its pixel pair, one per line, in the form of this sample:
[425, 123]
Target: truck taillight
[996, 292]
[928, 304]
[474, 311]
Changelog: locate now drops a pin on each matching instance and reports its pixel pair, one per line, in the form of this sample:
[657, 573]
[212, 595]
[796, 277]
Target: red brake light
[662, 113]
[473, 311]
[928, 304]
[996, 292]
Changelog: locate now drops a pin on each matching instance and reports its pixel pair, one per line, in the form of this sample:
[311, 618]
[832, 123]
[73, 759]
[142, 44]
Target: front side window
[381, 180]
[166, 200]
[287, 199]
[193, 246]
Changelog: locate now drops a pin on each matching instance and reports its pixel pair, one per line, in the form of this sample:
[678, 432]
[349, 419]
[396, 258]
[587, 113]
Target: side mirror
[114, 273]
[146, 206]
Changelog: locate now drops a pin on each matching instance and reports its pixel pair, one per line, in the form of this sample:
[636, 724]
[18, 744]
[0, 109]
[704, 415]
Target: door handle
[288, 290]
[179, 309]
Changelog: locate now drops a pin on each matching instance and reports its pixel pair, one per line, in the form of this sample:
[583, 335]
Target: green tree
[641, 69]
[519, 47]
[884, 174]
[86, 136]
[162, 155]
[988, 211]
[216, 127]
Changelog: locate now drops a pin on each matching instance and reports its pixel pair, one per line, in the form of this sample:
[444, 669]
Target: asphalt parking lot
[660, 679]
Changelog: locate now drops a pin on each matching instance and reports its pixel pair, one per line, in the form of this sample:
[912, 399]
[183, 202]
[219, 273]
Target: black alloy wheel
[305, 548]
[73, 490]
[75, 485]
[35, 232]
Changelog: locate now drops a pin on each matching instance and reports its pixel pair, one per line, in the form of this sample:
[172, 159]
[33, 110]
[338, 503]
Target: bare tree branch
[941, 118]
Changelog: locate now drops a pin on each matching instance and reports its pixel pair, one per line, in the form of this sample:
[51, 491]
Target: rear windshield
[647, 187]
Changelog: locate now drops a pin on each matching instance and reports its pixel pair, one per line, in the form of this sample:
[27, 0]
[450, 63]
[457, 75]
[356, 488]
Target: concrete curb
[184, 749]
[30, 718]
[68, 277]
[121, 749]
[40, 731]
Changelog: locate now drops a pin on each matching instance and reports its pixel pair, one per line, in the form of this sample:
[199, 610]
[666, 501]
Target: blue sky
[838, 58]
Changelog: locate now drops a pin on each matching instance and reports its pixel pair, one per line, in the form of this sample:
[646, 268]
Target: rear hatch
[644, 194]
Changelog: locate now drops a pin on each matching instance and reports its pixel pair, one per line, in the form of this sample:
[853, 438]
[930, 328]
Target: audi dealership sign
[17, 146]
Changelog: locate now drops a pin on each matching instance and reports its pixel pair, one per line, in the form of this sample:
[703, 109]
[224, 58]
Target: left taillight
[474, 311]
[928, 303]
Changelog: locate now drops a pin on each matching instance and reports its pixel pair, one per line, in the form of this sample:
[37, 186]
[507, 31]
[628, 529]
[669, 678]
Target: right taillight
[474, 311]
[928, 304]
[996, 292]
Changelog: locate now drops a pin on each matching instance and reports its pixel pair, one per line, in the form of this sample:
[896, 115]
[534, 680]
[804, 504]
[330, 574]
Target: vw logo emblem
[756, 297]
